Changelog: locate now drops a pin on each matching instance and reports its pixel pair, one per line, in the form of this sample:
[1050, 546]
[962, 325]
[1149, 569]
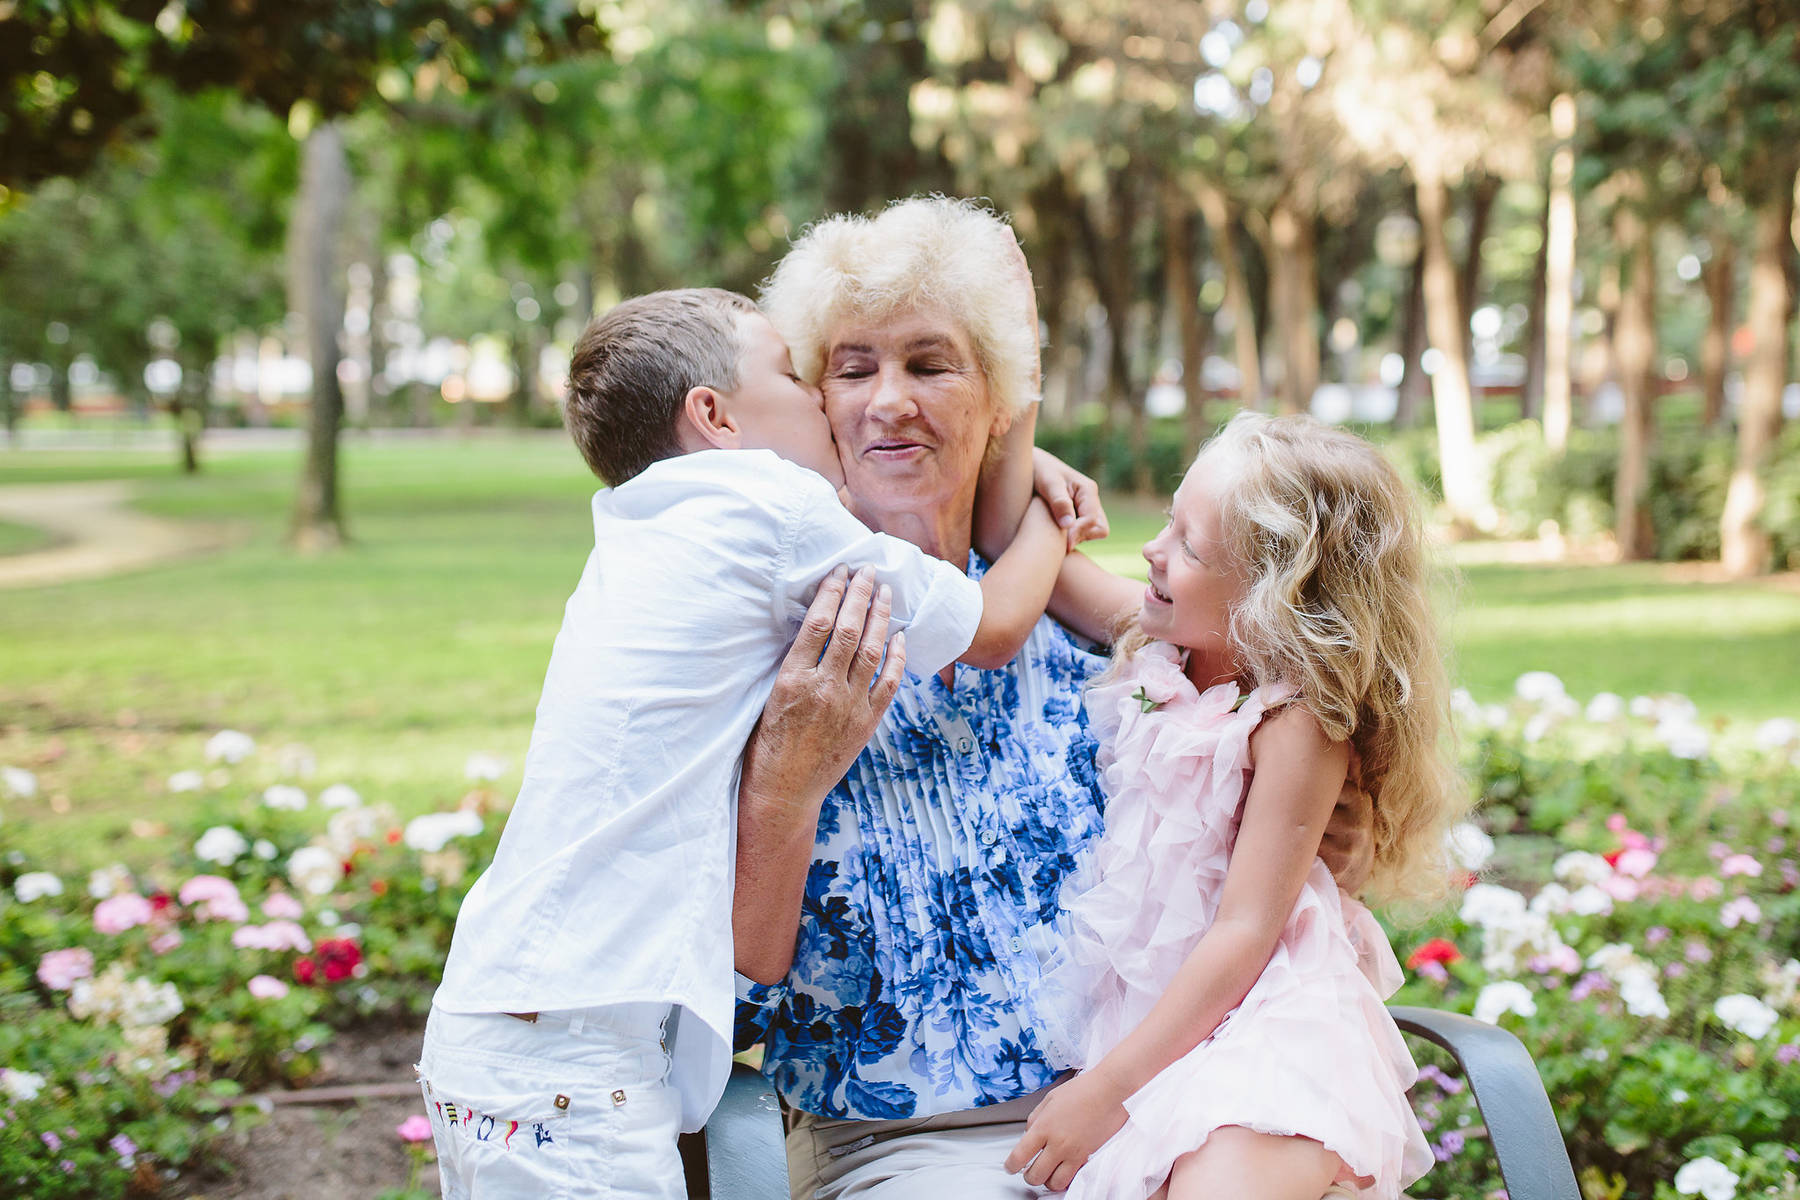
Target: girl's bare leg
[1240, 1164]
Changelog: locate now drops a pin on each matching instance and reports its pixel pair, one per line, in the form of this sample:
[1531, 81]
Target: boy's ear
[706, 422]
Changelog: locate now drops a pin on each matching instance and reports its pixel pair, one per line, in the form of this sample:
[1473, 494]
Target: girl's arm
[1291, 798]
[1092, 600]
[1005, 488]
[1016, 588]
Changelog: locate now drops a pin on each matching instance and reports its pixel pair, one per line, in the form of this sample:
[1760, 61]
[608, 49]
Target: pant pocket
[503, 1136]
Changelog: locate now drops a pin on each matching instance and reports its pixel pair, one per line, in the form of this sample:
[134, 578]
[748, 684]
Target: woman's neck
[944, 535]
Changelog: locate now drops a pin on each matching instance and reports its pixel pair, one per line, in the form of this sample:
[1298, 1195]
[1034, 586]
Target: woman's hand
[1065, 1129]
[830, 694]
[1074, 499]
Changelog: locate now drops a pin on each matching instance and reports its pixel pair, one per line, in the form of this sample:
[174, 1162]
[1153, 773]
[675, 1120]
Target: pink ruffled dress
[1311, 1050]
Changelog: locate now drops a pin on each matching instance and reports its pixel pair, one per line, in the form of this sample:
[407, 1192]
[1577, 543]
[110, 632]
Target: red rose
[305, 970]
[349, 866]
[1437, 950]
[160, 901]
[339, 957]
[379, 887]
[1612, 856]
[393, 837]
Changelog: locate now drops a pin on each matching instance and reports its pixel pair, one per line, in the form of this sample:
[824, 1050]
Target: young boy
[585, 1012]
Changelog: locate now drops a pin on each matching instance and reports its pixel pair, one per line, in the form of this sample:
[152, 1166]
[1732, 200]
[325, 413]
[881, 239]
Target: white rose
[1490, 904]
[108, 881]
[186, 781]
[1502, 997]
[484, 768]
[17, 781]
[1745, 1014]
[1536, 687]
[1783, 983]
[284, 796]
[35, 885]
[1552, 900]
[1777, 733]
[264, 849]
[230, 746]
[21, 1085]
[340, 795]
[1642, 997]
[1605, 708]
[220, 844]
[431, 832]
[1471, 845]
[1590, 901]
[1707, 1177]
[1684, 739]
[314, 869]
[1578, 868]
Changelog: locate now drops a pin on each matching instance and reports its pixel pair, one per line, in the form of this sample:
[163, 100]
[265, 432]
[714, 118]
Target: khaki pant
[953, 1156]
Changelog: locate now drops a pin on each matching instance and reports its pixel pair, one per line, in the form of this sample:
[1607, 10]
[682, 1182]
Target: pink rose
[1740, 864]
[162, 943]
[282, 905]
[206, 887]
[416, 1128]
[1620, 888]
[1636, 862]
[276, 935]
[118, 913]
[59, 969]
[267, 987]
[1705, 888]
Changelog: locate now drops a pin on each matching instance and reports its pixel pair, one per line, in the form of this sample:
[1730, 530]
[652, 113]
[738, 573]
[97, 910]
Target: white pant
[574, 1104]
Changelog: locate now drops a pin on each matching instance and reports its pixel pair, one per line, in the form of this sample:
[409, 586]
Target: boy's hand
[1348, 847]
[1072, 1122]
[1074, 499]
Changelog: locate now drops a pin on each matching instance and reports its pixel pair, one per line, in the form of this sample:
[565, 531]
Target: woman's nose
[892, 399]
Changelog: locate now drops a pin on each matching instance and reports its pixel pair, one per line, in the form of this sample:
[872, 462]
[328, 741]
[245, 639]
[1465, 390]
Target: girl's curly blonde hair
[1339, 603]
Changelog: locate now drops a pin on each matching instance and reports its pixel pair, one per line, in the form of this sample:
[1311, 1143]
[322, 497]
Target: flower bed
[1633, 916]
[141, 1003]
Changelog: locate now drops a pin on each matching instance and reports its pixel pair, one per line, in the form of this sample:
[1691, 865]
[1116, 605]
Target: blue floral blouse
[933, 892]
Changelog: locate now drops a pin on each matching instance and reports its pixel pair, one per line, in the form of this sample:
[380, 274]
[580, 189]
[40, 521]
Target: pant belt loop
[578, 1022]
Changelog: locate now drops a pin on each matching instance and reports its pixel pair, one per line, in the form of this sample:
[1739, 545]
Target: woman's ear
[706, 422]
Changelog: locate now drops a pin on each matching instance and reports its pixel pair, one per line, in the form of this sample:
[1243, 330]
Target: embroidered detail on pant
[512, 1127]
[543, 1135]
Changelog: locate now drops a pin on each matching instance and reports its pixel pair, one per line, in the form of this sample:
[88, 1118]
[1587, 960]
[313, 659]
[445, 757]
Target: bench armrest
[1520, 1122]
[742, 1152]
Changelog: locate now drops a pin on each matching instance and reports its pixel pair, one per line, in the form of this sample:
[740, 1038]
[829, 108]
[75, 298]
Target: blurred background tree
[1469, 212]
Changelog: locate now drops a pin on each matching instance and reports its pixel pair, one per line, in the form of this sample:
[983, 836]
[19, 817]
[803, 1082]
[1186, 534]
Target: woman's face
[910, 409]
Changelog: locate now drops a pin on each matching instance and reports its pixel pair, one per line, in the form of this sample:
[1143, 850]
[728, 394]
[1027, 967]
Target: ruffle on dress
[1310, 1050]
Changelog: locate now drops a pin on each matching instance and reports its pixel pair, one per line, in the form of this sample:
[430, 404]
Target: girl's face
[1194, 584]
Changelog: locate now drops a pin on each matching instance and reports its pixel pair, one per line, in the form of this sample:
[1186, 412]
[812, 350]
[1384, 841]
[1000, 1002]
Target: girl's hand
[1072, 1122]
[1074, 499]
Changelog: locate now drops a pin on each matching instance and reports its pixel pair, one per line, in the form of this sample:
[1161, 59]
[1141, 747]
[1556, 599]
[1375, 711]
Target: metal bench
[739, 1156]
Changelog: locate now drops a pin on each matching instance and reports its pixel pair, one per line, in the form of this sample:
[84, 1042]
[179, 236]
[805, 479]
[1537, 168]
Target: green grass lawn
[426, 640]
[23, 539]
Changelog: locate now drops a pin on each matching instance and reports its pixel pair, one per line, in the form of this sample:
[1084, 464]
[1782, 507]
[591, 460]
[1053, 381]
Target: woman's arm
[1291, 798]
[1092, 600]
[830, 694]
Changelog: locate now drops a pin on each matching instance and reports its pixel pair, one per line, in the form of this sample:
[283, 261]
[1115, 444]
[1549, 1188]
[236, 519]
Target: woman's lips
[893, 451]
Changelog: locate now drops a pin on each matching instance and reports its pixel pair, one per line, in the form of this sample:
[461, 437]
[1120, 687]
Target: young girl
[1224, 998]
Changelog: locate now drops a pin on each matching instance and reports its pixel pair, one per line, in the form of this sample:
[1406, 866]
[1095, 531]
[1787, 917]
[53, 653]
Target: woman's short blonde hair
[1339, 602]
[929, 252]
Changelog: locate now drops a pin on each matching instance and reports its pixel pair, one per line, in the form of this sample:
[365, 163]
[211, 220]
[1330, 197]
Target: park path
[97, 533]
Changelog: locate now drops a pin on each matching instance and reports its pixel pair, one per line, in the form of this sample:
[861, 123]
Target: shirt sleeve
[936, 603]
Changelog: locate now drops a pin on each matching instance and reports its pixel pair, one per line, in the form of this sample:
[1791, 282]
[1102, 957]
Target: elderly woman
[892, 921]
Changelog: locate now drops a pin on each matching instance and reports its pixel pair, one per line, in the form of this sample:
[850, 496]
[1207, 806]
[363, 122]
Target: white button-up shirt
[612, 881]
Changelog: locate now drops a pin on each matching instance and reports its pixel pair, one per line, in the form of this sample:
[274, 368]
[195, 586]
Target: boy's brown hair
[632, 370]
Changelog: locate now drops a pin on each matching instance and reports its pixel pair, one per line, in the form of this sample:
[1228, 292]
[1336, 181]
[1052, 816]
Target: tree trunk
[9, 407]
[1184, 301]
[870, 152]
[1216, 211]
[1559, 279]
[1415, 385]
[1055, 280]
[318, 223]
[1464, 492]
[1481, 210]
[1635, 341]
[1720, 279]
[1531, 390]
[381, 393]
[1294, 279]
[1744, 545]
[62, 399]
[1109, 259]
[524, 356]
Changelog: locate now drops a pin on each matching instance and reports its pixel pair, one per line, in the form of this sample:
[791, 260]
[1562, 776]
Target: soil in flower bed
[348, 1151]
